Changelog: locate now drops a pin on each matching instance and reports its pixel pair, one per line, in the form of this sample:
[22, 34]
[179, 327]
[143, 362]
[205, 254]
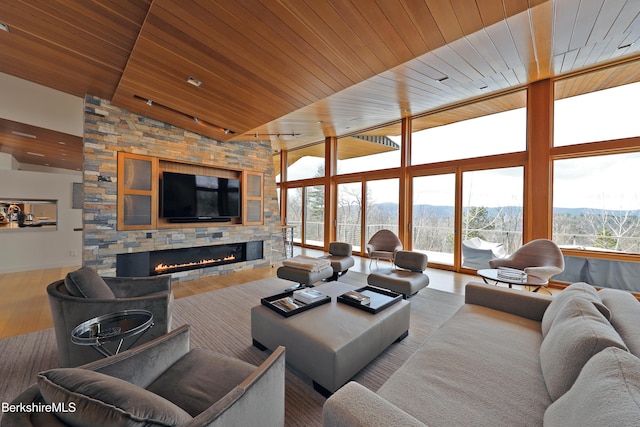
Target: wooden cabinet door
[252, 202]
[137, 192]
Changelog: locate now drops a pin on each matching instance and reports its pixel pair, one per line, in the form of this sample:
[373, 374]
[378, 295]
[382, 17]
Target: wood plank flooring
[24, 306]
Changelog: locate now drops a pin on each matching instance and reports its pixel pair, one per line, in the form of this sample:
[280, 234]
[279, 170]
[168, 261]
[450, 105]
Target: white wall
[27, 249]
[26, 102]
[33, 249]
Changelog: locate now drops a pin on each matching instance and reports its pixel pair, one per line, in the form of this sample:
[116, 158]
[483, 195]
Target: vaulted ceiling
[296, 71]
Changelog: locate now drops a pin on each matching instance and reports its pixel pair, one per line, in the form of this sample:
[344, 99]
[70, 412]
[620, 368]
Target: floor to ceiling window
[596, 200]
[475, 140]
[467, 167]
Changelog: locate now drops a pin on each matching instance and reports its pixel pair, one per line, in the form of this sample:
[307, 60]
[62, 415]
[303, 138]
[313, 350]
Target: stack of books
[308, 296]
[357, 296]
[512, 274]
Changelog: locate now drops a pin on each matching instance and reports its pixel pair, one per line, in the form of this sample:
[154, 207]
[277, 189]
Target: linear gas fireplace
[169, 261]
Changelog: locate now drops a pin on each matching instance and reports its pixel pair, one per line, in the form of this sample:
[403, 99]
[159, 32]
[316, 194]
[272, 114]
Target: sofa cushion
[472, 371]
[576, 290]
[103, 400]
[625, 316]
[86, 283]
[606, 393]
[199, 379]
[579, 331]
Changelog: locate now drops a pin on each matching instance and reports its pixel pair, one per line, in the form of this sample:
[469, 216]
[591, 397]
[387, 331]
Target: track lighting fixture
[277, 135]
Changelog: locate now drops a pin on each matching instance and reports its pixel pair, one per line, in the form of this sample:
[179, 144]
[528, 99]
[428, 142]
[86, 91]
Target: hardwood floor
[24, 306]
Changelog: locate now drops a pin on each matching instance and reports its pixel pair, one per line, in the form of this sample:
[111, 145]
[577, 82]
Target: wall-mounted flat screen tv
[187, 197]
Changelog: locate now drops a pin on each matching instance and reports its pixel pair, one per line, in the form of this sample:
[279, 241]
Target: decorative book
[511, 274]
[308, 296]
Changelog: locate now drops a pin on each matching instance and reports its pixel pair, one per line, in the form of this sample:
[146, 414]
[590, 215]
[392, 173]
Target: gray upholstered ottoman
[332, 342]
[304, 277]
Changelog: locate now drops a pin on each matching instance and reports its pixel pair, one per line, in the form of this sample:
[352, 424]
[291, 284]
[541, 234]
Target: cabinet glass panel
[137, 174]
[254, 187]
[253, 210]
[137, 210]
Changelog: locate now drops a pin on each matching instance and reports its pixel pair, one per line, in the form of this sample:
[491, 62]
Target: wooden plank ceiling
[297, 71]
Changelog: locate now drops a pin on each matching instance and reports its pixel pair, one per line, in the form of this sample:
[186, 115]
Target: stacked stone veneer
[109, 130]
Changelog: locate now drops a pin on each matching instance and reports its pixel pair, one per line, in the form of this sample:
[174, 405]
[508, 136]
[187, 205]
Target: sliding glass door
[433, 216]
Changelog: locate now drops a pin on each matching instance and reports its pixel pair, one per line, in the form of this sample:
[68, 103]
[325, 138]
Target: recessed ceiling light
[26, 135]
[4, 27]
[35, 154]
[193, 81]
[62, 143]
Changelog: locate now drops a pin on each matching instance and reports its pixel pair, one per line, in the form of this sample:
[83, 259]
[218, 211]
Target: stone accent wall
[109, 130]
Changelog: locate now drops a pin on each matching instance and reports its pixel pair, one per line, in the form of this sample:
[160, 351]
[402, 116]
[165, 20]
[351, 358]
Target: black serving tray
[381, 299]
[270, 302]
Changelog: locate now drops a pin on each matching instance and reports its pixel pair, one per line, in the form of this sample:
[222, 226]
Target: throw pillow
[199, 379]
[91, 399]
[606, 393]
[576, 290]
[625, 316]
[87, 283]
[578, 332]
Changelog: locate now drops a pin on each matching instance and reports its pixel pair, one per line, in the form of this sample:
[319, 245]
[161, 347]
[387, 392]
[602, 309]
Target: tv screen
[199, 197]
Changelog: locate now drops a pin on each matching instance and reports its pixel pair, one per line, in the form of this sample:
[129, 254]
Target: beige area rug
[220, 321]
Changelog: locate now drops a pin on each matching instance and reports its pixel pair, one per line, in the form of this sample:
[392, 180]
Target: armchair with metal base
[541, 258]
[383, 245]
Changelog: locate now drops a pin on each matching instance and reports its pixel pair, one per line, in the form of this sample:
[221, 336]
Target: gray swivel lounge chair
[407, 279]
[383, 245]
[162, 382]
[340, 257]
[83, 295]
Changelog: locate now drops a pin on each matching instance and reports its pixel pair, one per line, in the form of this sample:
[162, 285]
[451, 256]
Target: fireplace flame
[161, 268]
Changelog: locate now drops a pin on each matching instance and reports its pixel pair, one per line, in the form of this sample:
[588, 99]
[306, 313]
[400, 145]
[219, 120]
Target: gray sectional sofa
[513, 358]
